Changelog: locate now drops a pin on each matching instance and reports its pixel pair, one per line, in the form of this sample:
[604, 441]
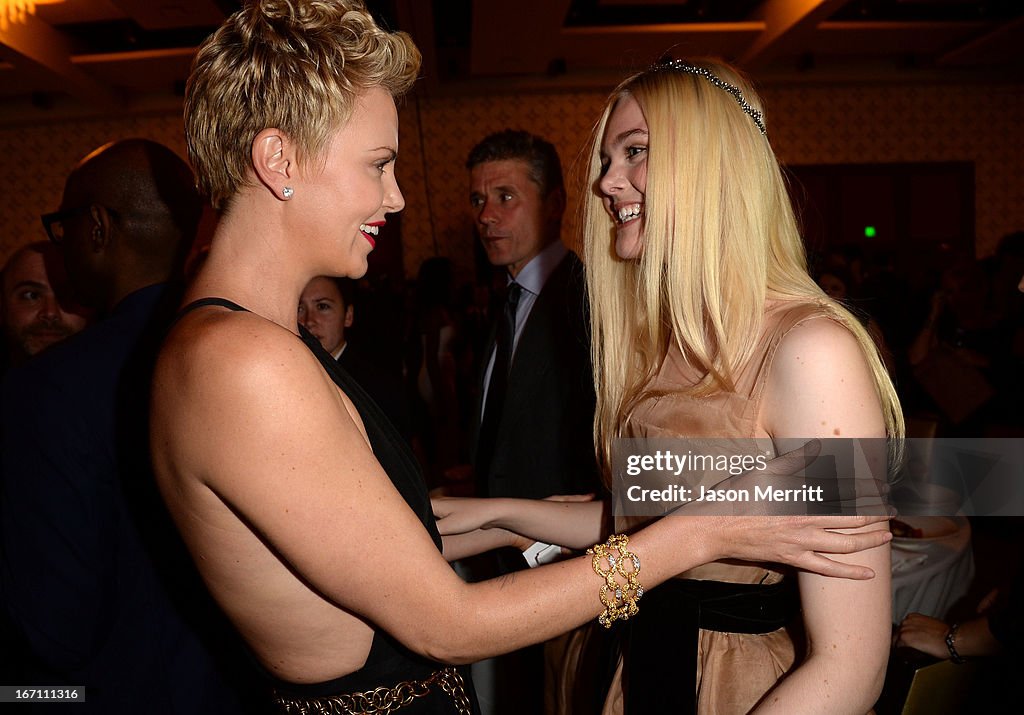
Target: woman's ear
[273, 160]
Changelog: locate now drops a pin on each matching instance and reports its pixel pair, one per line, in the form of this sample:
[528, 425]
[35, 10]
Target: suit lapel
[532, 355]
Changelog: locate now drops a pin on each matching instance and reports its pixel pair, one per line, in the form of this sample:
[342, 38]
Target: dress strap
[203, 302]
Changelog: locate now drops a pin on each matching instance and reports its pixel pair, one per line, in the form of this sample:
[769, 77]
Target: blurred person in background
[37, 311]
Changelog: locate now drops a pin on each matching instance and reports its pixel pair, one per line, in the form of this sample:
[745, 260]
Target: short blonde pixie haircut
[296, 65]
[720, 238]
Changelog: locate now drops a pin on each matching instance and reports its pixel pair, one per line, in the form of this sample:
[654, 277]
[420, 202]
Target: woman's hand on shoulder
[801, 541]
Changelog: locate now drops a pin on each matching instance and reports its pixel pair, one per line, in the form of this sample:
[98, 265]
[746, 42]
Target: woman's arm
[262, 430]
[820, 386]
[471, 543]
[573, 524]
[468, 525]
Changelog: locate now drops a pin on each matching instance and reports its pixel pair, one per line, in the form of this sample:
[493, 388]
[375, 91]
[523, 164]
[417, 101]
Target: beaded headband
[732, 89]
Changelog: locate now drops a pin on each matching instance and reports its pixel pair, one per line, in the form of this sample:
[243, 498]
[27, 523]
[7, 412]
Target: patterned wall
[38, 157]
[898, 123]
[808, 125]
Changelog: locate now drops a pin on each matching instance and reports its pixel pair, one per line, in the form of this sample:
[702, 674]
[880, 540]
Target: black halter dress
[389, 662]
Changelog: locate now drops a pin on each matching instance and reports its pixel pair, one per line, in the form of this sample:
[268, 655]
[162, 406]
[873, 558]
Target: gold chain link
[381, 701]
[618, 597]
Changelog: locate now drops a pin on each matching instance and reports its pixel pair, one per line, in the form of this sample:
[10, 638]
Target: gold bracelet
[618, 597]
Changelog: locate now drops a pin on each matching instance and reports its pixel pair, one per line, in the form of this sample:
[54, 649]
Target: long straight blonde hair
[720, 238]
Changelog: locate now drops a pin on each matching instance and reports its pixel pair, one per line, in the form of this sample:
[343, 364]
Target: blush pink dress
[734, 670]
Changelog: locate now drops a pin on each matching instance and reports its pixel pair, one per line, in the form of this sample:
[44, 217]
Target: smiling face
[348, 199]
[623, 181]
[514, 221]
[322, 311]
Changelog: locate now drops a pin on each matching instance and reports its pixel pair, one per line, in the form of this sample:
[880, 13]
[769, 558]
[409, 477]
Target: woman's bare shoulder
[234, 395]
[818, 336]
[233, 347]
[821, 384]
[220, 371]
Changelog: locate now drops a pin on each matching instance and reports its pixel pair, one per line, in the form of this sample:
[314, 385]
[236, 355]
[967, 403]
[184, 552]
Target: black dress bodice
[388, 662]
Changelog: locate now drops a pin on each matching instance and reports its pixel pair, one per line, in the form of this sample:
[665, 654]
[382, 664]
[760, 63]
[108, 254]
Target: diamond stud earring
[287, 192]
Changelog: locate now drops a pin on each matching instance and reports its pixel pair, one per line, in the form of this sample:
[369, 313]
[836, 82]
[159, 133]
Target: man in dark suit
[93, 574]
[535, 427]
[542, 442]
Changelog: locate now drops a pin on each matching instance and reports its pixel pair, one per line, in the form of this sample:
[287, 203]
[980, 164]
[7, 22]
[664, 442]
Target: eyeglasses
[53, 223]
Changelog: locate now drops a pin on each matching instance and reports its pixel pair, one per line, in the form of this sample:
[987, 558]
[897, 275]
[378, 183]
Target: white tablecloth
[929, 575]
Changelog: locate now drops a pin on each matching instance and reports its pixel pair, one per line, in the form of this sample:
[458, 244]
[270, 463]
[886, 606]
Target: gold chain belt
[381, 701]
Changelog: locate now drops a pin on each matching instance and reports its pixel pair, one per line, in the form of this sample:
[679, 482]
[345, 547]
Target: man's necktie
[498, 385]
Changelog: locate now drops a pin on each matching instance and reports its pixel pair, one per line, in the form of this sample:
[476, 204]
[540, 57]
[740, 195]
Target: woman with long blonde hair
[706, 324]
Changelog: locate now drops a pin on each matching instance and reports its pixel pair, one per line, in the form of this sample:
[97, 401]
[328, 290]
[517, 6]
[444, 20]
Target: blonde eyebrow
[628, 133]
